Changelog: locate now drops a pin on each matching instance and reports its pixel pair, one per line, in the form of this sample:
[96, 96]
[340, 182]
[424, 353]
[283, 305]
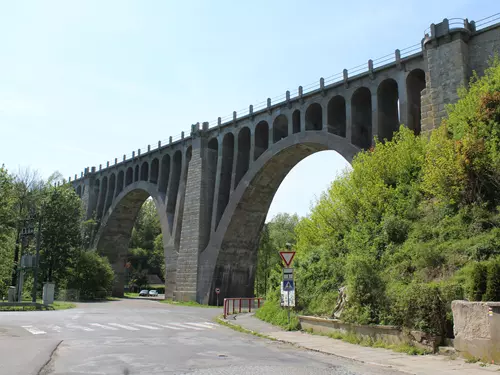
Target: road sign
[287, 297]
[287, 274]
[288, 285]
[217, 290]
[287, 257]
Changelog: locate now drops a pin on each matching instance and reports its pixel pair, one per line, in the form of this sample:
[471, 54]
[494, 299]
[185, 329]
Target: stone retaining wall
[387, 334]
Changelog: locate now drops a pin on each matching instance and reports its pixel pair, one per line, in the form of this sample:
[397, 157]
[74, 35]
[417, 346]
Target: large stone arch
[229, 260]
[113, 236]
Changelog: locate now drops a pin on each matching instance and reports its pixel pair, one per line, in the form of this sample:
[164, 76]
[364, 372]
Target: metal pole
[35, 276]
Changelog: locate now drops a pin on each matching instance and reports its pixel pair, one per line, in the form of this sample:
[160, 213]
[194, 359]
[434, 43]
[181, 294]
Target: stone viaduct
[213, 188]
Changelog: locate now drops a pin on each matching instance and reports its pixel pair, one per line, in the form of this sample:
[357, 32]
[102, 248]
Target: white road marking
[87, 329]
[55, 328]
[185, 326]
[34, 330]
[103, 326]
[166, 326]
[203, 325]
[145, 326]
[124, 327]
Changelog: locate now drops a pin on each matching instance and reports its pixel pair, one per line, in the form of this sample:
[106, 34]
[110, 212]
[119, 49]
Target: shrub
[492, 281]
[477, 281]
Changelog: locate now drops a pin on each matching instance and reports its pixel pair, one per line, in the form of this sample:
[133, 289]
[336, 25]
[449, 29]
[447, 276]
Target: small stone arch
[144, 171]
[361, 115]
[137, 173]
[155, 167]
[280, 128]
[119, 183]
[415, 83]
[165, 173]
[337, 116]
[243, 158]
[314, 117]
[261, 139]
[130, 176]
[388, 108]
[225, 175]
[296, 121]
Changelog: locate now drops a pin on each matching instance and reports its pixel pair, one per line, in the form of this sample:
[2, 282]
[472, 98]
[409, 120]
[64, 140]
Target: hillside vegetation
[412, 227]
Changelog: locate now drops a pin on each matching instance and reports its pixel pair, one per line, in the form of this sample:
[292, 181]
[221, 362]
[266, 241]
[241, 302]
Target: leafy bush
[493, 281]
[92, 275]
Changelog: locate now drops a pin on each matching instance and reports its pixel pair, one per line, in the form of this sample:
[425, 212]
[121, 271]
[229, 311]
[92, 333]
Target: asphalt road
[147, 337]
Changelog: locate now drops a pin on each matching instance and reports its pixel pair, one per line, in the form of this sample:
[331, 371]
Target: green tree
[7, 227]
[91, 274]
[61, 231]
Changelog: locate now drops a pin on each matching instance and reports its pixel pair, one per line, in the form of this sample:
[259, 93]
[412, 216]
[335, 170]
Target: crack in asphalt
[45, 370]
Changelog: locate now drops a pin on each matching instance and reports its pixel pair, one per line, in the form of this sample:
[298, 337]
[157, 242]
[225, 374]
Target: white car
[153, 293]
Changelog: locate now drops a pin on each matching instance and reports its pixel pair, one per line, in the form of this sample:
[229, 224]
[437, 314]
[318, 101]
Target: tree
[61, 231]
[7, 227]
[91, 274]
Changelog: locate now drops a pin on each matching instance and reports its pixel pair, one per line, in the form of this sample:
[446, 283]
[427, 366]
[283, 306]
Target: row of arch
[165, 173]
[235, 161]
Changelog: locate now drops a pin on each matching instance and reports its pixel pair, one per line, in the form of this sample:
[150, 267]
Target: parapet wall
[477, 329]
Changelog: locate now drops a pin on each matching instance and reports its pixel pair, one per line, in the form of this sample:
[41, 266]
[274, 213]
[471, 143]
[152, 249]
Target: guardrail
[240, 305]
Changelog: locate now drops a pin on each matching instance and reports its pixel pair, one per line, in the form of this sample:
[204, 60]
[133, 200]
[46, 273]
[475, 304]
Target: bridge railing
[239, 305]
[303, 90]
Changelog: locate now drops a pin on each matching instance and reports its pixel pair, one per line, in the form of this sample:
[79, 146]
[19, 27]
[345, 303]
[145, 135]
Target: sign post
[288, 284]
[217, 291]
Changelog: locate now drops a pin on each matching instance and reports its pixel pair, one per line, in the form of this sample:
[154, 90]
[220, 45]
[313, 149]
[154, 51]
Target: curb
[258, 334]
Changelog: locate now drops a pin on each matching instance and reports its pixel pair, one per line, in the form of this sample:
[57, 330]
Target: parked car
[144, 293]
[153, 293]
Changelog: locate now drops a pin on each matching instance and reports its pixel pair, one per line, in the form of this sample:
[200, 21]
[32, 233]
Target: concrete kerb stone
[422, 364]
[230, 319]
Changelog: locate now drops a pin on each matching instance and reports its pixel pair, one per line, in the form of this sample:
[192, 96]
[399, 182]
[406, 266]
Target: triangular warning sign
[287, 257]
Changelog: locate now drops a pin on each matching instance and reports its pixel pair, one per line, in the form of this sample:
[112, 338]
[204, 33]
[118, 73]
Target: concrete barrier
[387, 334]
[476, 326]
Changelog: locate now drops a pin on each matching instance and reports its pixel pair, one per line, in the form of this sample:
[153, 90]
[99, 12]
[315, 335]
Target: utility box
[48, 293]
[11, 294]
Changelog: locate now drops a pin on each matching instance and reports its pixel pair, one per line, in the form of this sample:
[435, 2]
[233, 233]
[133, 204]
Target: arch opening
[388, 109]
[234, 272]
[261, 139]
[174, 185]
[144, 171]
[415, 83]
[111, 192]
[130, 240]
[102, 197]
[361, 114]
[337, 116]
[296, 121]
[280, 128]
[155, 167]
[212, 160]
[165, 173]
[243, 159]
[119, 183]
[225, 175]
[314, 117]
[137, 172]
[130, 176]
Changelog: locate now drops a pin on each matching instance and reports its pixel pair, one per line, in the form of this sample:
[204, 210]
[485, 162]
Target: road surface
[134, 336]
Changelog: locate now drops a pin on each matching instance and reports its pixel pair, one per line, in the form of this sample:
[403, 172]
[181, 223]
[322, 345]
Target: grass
[57, 305]
[273, 313]
[187, 303]
[238, 328]
[352, 338]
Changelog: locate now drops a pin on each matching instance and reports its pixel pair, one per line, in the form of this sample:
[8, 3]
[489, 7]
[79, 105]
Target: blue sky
[84, 82]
